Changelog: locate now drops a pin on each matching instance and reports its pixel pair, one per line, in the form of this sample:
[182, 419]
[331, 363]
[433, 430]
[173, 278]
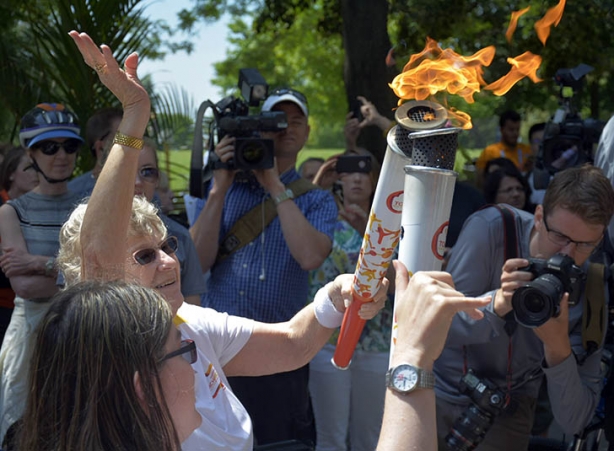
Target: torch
[384, 225]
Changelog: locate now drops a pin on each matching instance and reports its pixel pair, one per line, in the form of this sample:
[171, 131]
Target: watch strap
[287, 194]
[426, 379]
[128, 141]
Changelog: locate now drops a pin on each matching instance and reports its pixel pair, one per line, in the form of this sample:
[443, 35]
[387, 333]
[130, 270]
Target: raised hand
[123, 83]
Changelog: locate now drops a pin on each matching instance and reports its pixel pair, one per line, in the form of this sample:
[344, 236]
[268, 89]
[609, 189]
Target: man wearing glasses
[267, 279]
[572, 219]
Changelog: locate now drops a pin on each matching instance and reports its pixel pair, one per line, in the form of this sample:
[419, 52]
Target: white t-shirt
[218, 337]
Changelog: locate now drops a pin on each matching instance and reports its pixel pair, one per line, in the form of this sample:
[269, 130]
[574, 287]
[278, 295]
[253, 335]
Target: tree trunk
[366, 43]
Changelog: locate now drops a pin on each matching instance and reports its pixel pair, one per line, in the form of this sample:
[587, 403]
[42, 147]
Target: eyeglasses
[294, 92]
[146, 256]
[563, 240]
[149, 174]
[511, 189]
[187, 351]
[70, 146]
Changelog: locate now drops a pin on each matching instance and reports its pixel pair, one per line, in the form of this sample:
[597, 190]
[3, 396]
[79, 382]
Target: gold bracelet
[129, 141]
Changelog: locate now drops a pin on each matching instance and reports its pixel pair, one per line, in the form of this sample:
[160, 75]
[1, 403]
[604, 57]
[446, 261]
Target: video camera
[568, 139]
[231, 117]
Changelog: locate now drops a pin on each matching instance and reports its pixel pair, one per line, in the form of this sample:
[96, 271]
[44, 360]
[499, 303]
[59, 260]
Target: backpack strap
[249, 226]
[594, 314]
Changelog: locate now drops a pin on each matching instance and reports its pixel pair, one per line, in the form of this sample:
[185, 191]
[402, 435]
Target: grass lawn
[180, 164]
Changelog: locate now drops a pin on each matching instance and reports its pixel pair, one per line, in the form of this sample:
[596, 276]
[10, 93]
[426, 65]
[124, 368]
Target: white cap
[286, 95]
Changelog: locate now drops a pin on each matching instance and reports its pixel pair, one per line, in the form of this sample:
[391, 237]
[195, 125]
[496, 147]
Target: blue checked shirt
[234, 286]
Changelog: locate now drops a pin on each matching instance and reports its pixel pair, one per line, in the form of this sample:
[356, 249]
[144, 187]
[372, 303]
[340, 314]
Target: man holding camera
[266, 279]
[508, 358]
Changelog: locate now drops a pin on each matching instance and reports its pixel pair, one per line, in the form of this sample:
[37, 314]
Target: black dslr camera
[487, 401]
[538, 300]
[568, 139]
[231, 117]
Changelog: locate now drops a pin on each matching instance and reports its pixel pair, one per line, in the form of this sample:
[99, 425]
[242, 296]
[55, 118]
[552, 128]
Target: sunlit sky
[192, 72]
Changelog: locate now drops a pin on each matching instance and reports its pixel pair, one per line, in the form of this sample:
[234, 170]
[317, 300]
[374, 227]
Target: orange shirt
[519, 154]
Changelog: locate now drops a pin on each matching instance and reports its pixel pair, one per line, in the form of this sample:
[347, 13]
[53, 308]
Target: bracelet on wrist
[326, 313]
[128, 141]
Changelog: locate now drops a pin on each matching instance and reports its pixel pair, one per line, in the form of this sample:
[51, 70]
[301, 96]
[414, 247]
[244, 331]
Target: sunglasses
[149, 174]
[146, 256]
[70, 146]
[187, 351]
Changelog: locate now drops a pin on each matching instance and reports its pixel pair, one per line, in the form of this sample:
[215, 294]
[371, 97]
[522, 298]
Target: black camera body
[487, 401]
[538, 300]
[252, 151]
[232, 118]
[568, 139]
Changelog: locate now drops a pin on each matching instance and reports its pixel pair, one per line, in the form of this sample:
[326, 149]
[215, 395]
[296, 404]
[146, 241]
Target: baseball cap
[286, 95]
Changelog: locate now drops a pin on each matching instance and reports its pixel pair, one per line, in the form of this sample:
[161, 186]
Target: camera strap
[249, 226]
[510, 250]
[594, 314]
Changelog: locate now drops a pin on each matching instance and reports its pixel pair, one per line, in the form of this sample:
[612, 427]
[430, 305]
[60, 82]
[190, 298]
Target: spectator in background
[99, 132]
[267, 278]
[29, 229]
[536, 137]
[17, 177]
[508, 186]
[309, 168]
[349, 403]
[165, 194]
[508, 147]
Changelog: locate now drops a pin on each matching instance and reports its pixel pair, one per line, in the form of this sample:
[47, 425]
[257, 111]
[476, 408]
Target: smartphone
[355, 109]
[353, 163]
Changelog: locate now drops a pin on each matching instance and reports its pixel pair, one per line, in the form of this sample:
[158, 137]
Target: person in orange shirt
[508, 147]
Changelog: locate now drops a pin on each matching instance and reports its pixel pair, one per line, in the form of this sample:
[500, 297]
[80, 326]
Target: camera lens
[252, 153]
[537, 301]
[533, 302]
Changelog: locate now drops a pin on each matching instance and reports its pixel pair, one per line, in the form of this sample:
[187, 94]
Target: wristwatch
[405, 378]
[287, 194]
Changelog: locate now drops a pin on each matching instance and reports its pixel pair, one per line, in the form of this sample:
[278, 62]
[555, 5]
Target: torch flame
[437, 70]
[525, 65]
[514, 23]
[552, 17]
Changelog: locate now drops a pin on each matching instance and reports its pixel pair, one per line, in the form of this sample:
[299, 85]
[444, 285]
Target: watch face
[404, 378]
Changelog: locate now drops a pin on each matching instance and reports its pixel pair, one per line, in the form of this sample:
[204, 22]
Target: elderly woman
[120, 237]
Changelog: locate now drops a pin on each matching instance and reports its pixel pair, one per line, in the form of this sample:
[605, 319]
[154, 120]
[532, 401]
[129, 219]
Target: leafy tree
[367, 27]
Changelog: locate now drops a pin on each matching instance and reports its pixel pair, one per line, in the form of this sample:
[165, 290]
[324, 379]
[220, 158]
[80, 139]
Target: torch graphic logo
[394, 202]
[438, 243]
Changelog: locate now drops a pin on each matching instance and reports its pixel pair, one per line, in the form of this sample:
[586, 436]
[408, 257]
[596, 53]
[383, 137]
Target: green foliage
[293, 55]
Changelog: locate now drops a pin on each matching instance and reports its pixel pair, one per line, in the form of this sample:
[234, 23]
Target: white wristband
[326, 313]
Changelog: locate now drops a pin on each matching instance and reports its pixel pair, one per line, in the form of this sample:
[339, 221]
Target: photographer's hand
[372, 116]
[223, 178]
[554, 334]
[351, 130]
[511, 279]
[326, 176]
